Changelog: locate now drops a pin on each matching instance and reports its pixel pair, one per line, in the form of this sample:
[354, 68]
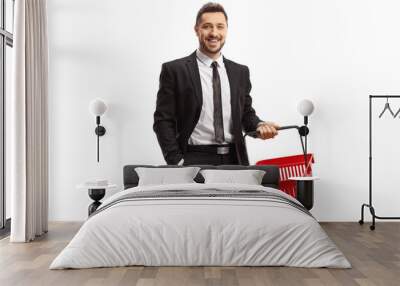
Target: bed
[201, 224]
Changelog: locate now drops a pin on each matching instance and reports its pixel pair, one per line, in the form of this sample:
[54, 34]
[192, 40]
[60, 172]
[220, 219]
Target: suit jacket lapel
[234, 77]
[193, 69]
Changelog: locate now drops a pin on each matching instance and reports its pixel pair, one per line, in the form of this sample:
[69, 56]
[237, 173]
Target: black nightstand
[305, 190]
[96, 193]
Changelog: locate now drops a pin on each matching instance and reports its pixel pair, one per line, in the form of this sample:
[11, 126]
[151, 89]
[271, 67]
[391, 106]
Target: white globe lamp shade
[305, 107]
[97, 107]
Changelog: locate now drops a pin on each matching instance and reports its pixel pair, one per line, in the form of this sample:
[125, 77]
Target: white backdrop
[335, 53]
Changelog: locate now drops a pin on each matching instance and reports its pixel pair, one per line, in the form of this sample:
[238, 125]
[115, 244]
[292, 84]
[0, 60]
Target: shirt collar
[207, 60]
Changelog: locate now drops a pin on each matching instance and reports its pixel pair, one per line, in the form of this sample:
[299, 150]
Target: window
[6, 44]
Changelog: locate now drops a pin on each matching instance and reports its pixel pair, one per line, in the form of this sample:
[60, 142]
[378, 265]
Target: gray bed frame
[270, 179]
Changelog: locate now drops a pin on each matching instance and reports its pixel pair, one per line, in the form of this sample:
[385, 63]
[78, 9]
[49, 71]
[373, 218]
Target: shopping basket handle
[255, 133]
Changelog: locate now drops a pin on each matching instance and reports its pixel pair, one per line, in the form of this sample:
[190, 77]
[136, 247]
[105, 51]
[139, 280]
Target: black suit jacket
[179, 103]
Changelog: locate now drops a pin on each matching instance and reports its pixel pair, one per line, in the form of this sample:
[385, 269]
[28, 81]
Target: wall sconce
[305, 108]
[97, 107]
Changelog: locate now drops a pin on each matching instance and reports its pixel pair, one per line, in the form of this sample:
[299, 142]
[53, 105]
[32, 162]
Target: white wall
[335, 53]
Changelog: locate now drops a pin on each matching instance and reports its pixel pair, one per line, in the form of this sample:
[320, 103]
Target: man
[204, 102]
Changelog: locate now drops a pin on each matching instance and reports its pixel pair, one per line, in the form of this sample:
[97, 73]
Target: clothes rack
[370, 205]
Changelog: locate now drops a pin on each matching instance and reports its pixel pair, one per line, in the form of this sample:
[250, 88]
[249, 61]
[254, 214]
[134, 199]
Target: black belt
[212, 149]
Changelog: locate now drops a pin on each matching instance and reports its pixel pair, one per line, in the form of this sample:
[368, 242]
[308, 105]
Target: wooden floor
[374, 255]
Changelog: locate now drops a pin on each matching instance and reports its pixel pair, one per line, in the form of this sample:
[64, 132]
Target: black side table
[305, 190]
[96, 193]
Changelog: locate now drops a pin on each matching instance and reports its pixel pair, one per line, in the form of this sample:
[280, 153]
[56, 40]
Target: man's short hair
[210, 7]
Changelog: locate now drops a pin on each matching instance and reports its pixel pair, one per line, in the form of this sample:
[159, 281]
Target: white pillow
[162, 176]
[248, 177]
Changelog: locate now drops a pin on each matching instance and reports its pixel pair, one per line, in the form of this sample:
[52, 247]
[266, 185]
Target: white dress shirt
[203, 133]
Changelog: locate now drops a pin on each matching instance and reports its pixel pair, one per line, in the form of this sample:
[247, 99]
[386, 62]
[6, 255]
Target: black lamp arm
[303, 132]
[255, 133]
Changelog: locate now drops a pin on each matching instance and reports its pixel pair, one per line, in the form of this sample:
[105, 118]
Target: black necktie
[218, 121]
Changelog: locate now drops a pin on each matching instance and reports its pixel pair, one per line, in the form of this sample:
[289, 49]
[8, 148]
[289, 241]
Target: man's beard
[206, 49]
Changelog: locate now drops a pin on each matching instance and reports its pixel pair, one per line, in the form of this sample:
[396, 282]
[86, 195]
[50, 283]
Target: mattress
[201, 225]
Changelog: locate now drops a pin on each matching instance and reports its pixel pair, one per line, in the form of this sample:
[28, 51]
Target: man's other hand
[267, 130]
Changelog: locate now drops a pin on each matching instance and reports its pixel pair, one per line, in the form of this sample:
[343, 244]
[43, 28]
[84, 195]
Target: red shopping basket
[291, 166]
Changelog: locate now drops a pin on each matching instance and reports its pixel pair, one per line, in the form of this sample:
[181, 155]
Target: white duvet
[200, 231]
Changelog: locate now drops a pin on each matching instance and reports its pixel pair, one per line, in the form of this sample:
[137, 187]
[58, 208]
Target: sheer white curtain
[28, 121]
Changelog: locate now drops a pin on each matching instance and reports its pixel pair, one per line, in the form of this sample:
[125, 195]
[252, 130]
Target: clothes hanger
[398, 111]
[387, 107]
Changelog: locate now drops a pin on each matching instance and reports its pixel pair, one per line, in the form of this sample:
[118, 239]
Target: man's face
[211, 32]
